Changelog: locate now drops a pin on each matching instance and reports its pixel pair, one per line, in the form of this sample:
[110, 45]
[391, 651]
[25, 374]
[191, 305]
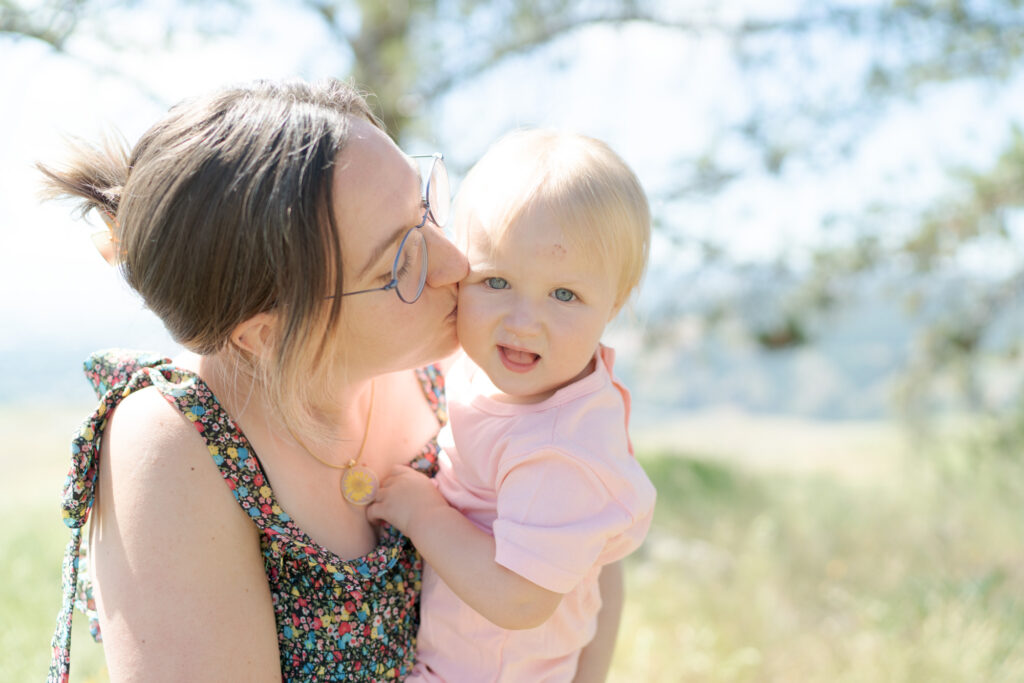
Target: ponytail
[94, 174]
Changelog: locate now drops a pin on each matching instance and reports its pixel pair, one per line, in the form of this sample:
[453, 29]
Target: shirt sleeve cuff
[531, 566]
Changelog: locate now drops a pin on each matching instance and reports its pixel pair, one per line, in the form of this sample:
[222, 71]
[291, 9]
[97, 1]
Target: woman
[296, 252]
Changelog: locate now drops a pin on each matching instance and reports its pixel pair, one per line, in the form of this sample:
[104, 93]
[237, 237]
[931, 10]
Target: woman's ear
[255, 336]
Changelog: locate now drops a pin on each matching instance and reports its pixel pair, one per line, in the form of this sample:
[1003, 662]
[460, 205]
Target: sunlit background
[825, 354]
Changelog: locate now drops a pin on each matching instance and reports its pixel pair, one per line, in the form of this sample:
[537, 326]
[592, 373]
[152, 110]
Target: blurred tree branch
[50, 23]
[799, 113]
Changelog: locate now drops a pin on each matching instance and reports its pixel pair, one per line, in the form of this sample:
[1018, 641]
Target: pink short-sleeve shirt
[557, 485]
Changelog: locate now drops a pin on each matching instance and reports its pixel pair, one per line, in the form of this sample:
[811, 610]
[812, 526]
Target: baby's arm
[460, 553]
[596, 658]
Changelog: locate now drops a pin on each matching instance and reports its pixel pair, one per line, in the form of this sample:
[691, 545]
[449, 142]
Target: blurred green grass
[35, 461]
[750, 573]
[774, 576]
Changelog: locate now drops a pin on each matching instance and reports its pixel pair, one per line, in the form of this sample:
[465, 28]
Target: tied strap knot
[113, 374]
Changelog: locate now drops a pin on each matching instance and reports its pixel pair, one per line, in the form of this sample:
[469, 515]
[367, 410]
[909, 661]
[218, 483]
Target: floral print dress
[337, 620]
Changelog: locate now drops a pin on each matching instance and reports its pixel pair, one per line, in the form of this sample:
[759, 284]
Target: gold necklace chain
[358, 484]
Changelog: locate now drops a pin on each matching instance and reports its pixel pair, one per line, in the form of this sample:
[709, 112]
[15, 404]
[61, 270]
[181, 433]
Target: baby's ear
[255, 336]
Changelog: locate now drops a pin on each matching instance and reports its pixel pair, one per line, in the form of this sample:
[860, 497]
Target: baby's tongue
[520, 356]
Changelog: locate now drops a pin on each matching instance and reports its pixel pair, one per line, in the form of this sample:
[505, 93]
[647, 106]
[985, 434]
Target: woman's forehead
[372, 174]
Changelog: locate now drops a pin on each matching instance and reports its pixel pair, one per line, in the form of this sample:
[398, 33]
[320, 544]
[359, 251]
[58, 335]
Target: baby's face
[533, 308]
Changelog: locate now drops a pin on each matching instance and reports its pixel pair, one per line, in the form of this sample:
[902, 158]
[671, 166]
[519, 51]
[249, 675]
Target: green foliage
[970, 332]
[977, 213]
[51, 23]
[787, 334]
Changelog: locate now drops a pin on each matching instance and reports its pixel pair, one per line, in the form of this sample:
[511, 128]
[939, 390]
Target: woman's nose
[446, 265]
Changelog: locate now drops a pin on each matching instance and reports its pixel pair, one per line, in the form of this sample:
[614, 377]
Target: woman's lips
[517, 360]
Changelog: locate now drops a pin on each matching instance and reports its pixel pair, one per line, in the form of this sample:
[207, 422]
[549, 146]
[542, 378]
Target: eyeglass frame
[428, 213]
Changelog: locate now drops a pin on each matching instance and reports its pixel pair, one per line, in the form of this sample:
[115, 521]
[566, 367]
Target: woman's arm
[596, 657]
[460, 553]
[179, 578]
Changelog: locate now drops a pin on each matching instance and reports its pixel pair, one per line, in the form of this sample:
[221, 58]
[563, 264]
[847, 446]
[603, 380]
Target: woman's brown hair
[222, 210]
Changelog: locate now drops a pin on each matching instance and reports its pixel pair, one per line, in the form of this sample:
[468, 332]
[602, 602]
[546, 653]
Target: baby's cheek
[464, 324]
[469, 307]
[471, 322]
[464, 294]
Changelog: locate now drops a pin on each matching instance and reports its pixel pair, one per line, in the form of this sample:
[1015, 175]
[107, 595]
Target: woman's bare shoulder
[146, 416]
[152, 440]
[153, 457]
[171, 545]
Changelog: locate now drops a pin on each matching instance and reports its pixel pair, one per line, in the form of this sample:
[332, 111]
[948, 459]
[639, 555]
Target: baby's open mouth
[517, 359]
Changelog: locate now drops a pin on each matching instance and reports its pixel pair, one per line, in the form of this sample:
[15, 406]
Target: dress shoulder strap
[114, 374]
[114, 367]
[432, 381]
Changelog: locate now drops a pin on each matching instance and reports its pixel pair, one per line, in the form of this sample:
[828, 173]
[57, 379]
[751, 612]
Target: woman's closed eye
[411, 253]
[403, 267]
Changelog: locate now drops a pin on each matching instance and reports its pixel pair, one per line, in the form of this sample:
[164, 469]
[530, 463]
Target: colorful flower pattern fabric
[337, 620]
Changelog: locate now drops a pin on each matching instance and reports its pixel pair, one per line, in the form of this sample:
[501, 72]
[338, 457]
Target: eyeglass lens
[411, 260]
[409, 270]
[438, 192]
[411, 266]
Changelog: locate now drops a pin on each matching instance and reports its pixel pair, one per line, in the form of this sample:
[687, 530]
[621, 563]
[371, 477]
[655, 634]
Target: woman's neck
[341, 417]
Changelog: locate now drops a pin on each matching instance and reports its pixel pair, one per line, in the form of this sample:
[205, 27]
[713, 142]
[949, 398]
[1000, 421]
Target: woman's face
[377, 198]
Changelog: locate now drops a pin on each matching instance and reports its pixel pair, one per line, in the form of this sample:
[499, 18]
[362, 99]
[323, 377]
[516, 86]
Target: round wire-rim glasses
[436, 207]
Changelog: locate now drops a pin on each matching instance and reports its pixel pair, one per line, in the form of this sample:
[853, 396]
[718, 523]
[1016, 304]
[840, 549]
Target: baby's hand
[404, 496]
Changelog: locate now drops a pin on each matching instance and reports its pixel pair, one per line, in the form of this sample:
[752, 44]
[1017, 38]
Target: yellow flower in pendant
[359, 485]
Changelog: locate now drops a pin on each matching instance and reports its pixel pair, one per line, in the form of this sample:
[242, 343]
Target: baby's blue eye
[496, 283]
[563, 294]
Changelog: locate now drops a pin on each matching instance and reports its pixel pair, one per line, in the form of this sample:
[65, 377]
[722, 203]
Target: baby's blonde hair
[595, 197]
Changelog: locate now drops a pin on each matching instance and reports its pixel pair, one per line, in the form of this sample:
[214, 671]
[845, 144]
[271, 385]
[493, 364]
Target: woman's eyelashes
[403, 268]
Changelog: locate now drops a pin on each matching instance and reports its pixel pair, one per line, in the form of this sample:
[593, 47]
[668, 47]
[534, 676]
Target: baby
[539, 488]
